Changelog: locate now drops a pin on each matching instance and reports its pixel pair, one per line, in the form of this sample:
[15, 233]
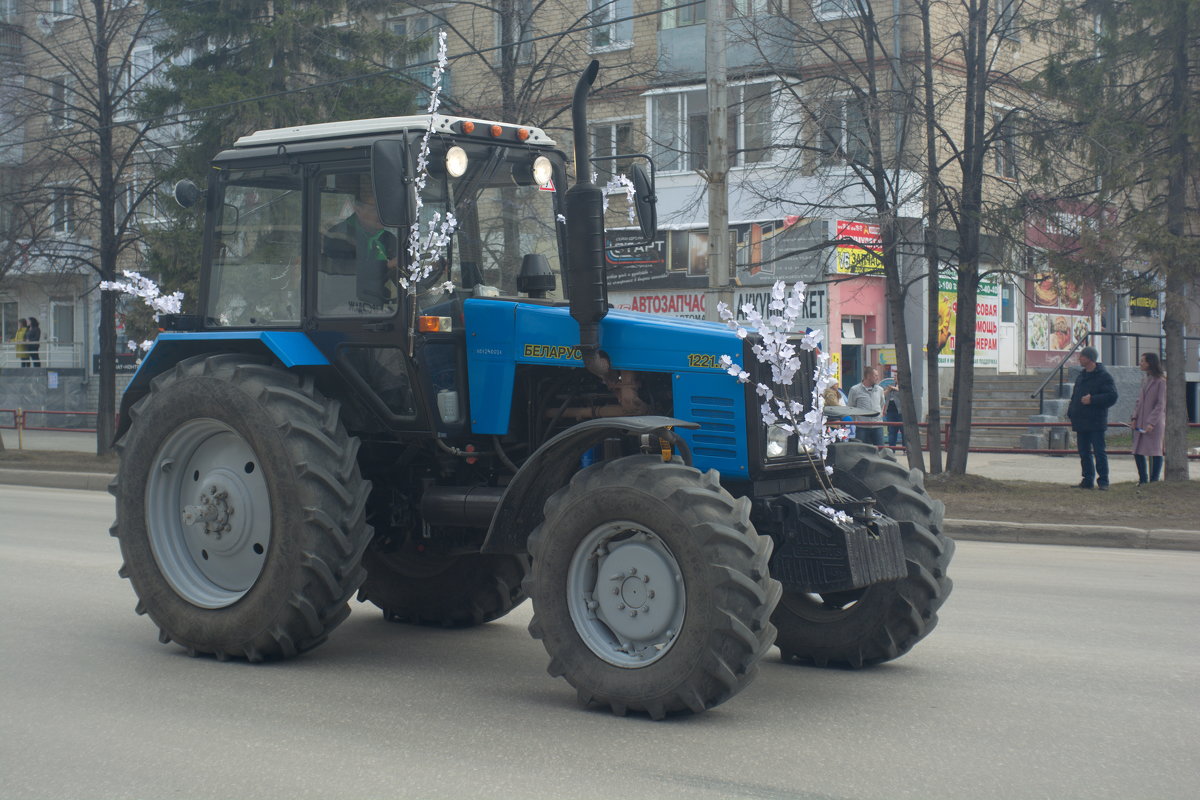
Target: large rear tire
[881, 622]
[449, 591]
[650, 587]
[240, 509]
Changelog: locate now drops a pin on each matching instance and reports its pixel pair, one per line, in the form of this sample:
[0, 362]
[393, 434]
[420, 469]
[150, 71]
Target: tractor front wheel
[650, 587]
[883, 621]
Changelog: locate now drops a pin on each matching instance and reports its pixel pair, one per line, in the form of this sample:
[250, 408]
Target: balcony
[681, 50]
[10, 41]
[52, 353]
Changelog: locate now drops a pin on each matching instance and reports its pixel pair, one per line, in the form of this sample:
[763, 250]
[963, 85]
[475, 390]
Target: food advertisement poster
[1058, 314]
[987, 321]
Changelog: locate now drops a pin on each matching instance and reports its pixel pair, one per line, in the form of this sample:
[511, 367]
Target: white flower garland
[138, 285]
[778, 352]
[426, 248]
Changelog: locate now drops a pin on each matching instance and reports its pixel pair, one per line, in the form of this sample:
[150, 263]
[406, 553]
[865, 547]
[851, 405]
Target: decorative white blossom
[777, 352]
[425, 247]
[561, 219]
[835, 515]
[620, 183]
[138, 285]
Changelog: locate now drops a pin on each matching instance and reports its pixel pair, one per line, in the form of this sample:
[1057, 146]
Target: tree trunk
[896, 300]
[109, 249]
[973, 154]
[1175, 313]
[933, 388]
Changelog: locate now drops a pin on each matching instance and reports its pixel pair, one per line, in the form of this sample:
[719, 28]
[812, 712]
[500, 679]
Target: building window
[611, 139]
[614, 27]
[520, 33]
[1006, 19]
[845, 131]
[835, 9]
[1004, 146]
[420, 32]
[673, 17]
[62, 212]
[679, 127]
[59, 102]
[61, 8]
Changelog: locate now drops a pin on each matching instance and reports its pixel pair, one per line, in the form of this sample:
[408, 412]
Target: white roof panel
[380, 125]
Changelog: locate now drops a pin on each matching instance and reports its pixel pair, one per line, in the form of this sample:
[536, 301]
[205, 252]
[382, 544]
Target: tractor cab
[326, 229]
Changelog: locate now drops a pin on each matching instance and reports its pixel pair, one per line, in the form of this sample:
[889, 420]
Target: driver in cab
[360, 245]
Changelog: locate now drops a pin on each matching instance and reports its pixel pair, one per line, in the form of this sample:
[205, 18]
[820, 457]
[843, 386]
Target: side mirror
[187, 193]
[391, 174]
[644, 201]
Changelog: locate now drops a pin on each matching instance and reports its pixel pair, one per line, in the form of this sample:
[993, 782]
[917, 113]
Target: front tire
[884, 621]
[240, 509]
[650, 587]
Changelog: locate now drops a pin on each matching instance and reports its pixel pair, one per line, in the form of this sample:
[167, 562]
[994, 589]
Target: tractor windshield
[502, 215]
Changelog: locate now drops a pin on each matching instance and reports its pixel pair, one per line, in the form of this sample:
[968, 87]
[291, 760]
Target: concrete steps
[1000, 398]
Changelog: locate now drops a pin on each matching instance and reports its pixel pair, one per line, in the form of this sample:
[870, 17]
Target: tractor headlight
[777, 441]
[543, 170]
[456, 161]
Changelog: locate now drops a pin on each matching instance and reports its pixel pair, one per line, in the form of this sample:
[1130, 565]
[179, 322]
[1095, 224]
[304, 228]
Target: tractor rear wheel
[450, 591]
[880, 622]
[650, 587]
[240, 509]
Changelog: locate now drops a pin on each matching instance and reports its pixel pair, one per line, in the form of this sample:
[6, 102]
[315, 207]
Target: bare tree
[85, 175]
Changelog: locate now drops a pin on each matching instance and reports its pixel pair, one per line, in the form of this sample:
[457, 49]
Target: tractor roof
[380, 126]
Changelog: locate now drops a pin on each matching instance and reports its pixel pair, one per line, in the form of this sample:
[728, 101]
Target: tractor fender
[291, 348]
[551, 467]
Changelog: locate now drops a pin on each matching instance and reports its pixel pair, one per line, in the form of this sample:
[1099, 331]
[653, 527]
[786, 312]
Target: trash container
[1060, 438]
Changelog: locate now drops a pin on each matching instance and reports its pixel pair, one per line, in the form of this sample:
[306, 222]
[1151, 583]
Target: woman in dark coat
[1150, 418]
[33, 338]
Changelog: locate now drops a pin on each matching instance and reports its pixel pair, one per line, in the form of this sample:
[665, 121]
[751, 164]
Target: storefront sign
[1144, 305]
[686, 304]
[861, 248]
[987, 321]
[814, 314]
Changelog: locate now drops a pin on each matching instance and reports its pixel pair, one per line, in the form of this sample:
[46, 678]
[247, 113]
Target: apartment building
[801, 121]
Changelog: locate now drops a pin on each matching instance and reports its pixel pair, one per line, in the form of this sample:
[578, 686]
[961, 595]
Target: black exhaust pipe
[585, 237]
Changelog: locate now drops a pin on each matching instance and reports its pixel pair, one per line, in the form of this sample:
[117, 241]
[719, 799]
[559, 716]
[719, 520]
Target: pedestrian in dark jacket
[33, 339]
[1095, 393]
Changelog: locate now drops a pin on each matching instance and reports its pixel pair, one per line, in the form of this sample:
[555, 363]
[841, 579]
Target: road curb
[966, 529]
[47, 479]
[1088, 535]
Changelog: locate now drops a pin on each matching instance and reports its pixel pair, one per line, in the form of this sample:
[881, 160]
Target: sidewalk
[1062, 470]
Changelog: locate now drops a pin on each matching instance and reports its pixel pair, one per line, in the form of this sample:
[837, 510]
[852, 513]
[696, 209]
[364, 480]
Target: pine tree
[1132, 81]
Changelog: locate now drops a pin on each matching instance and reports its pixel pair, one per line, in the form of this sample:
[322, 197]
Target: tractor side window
[358, 257]
[256, 261]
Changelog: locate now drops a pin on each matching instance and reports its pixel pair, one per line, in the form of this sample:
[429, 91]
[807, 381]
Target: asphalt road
[1056, 673]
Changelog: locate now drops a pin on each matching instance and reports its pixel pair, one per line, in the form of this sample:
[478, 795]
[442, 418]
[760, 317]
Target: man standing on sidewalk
[867, 398]
[1094, 393]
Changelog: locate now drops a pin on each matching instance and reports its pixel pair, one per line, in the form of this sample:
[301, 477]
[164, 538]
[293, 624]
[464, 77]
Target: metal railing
[1111, 337]
[51, 354]
[944, 431]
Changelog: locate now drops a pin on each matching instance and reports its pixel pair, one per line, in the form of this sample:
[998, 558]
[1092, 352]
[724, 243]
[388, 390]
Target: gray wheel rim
[626, 594]
[209, 513]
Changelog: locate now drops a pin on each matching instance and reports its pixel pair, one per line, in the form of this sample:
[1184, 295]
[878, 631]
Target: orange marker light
[497, 130]
[522, 133]
[435, 324]
[468, 126]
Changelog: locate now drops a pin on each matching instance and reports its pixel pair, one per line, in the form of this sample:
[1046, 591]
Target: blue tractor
[451, 444]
